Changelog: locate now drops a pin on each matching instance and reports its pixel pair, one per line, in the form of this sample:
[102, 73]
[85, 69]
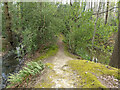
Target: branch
[105, 11]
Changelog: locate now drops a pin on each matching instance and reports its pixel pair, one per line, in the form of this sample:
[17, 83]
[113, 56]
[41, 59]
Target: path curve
[62, 78]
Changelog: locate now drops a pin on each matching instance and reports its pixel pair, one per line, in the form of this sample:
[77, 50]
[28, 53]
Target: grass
[66, 51]
[50, 52]
[87, 69]
[47, 82]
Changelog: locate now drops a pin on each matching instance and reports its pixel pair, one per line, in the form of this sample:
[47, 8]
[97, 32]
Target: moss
[66, 49]
[47, 82]
[62, 37]
[44, 84]
[87, 70]
[50, 65]
[50, 52]
[118, 76]
[68, 53]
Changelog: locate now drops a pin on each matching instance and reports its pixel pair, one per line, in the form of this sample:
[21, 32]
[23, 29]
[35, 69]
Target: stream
[10, 65]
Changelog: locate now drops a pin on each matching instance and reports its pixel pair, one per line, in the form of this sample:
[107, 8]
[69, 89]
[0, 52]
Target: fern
[32, 68]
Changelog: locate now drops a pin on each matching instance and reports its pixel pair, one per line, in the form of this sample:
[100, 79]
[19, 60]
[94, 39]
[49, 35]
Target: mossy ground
[49, 65]
[46, 81]
[87, 71]
[50, 52]
[66, 51]
[45, 84]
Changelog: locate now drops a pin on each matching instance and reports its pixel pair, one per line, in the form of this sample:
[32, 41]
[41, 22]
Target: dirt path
[60, 76]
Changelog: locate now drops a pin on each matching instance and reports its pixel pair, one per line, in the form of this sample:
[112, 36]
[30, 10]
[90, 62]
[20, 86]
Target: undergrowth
[66, 48]
[31, 69]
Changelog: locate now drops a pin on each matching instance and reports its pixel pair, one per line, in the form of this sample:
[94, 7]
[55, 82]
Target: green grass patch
[47, 81]
[45, 84]
[50, 52]
[66, 51]
[87, 69]
[50, 65]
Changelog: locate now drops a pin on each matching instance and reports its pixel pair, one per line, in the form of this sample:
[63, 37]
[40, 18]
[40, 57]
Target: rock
[86, 72]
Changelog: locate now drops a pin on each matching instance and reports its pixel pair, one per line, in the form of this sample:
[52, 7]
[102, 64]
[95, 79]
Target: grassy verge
[66, 51]
[87, 71]
[50, 52]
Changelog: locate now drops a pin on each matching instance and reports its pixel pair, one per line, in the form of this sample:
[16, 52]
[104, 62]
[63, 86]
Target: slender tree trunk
[95, 30]
[119, 35]
[70, 2]
[91, 8]
[106, 17]
[116, 52]
[95, 24]
[8, 24]
[103, 8]
[91, 5]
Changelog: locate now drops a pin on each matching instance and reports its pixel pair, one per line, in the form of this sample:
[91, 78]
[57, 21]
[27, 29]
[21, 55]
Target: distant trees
[38, 23]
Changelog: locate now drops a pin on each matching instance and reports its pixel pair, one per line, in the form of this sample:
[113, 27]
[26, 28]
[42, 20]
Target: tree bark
[95, 30]
[95, 24]
[116, 52]
[106, 17]
[114, 58]
[8, 24]
[70, 3]
[91, 5]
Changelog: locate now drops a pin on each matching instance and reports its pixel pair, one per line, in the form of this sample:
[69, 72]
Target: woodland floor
[60, 75]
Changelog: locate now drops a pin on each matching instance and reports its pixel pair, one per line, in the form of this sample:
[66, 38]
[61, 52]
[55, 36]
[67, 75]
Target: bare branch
[105, 11]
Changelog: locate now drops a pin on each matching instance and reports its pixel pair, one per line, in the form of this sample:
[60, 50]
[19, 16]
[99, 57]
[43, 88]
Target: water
[11, 64]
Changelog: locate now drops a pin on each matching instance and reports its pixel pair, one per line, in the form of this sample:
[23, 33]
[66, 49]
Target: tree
[106, 17]
[70, 2]
[8, 24]
[95, 25]
[115, 55]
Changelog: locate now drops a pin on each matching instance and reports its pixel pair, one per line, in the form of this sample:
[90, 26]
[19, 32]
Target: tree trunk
[91, 5]
[95, 24]
[70, 3]
[114, 58]
[116, 52]
[8, 24]
[103, 9]
[95, 30]
[106, 17]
